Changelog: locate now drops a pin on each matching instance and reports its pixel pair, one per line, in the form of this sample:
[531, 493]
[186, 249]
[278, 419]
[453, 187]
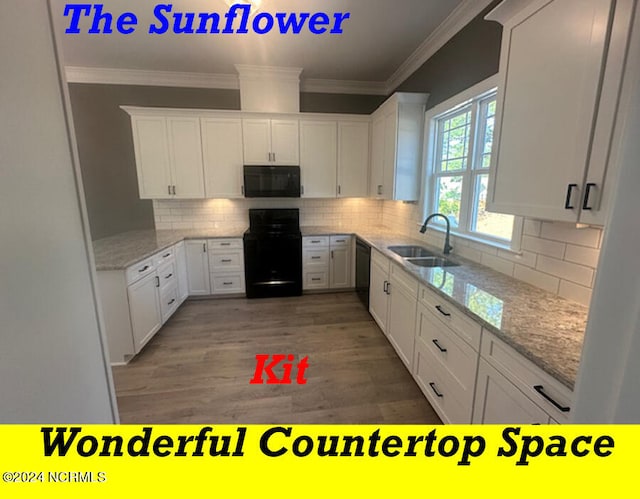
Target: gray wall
[471, 56]
[103, 131]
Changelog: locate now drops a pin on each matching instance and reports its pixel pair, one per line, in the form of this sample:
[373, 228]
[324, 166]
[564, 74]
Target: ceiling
[378, 38]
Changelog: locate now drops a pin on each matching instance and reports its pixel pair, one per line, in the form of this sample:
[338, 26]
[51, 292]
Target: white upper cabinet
[396, 148]
[222, 152]
[318, 158]
[152, 156]
[353, 159]
[561, 67]
[185, 157]
[270, 142]
[168, 154]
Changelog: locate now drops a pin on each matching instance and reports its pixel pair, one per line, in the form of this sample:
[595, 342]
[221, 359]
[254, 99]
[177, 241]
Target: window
[458, 170]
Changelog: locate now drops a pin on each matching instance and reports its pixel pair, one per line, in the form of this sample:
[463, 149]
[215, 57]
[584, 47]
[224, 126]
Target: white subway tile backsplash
[582, 255]
[570, 234]
[496, 263]
[526, 258]
[532, 228]
[575, 292]
[565, 270]
[538, 279]
[543, 246]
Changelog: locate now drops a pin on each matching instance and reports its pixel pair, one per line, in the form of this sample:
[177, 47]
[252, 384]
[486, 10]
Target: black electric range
[273, 253]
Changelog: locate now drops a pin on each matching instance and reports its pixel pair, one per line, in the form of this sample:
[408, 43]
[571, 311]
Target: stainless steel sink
[432, 261]
[412, 251]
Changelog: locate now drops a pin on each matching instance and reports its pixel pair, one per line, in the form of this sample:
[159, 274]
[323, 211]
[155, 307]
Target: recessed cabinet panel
[144, 308]
[223, 160]
[198, 267]
[285, 142]
[318, 158]
[353, 159]
[152, 156]
[185, 157]
[256, 136]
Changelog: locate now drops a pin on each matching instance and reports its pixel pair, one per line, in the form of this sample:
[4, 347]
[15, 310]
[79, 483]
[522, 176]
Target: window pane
[493, 224]
[487, 132]
[453, 146]
[449, 196]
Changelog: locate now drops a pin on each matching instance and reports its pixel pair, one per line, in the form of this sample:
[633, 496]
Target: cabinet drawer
[316, 280]
[469, 330]
[401, 278]
[314, 242]
[220, 260]
[457, 357]
[227, 283]
[168, 302]
[340, 241]
[529, 378]
[319, 256]
[224, 244]
[139, 270]
[450, 401]
[167, 275]
[164, 256]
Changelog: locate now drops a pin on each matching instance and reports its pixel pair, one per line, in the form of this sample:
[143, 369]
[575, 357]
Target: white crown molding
[462, 15]
[344, 87]
[112, 76]
[247, 71]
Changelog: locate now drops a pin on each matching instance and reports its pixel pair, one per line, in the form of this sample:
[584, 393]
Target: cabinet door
[198, 268]
[318, 158]
[185, 154]
[340, 268]
[402, 322]
[390, 145]
[223, 161]
[181, 272]
[353, 159]
[144, 307]
[152, 156]
[547, 106]
[498, 401]
[256, 141]
[376, 187]
[285, 142]
[378, 297]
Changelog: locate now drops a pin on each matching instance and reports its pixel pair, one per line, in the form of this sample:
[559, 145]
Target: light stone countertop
[545, 328]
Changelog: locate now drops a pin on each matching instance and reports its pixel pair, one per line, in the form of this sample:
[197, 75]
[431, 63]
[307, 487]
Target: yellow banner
[59, 461]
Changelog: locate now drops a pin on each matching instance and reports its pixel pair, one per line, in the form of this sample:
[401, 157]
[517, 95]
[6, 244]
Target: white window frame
[478, 92]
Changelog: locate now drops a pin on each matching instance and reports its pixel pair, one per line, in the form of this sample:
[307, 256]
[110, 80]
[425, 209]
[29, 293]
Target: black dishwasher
[363, 262]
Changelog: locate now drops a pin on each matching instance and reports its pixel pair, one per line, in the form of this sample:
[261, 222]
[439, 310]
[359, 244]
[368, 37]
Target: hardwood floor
[197, 368]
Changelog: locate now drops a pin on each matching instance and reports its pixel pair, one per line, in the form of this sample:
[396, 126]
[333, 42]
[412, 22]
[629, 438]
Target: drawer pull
[226, 261]
[540, 390]
[315, 279]
[316, 242]
[341, 241]
[157, 282]
[439, 309]
[167, 255]
[316, 257]
[168, 276]
[435, 342]
[172, 302]
[143, 269]
[225, 244]
[435, 390]
[227, 283]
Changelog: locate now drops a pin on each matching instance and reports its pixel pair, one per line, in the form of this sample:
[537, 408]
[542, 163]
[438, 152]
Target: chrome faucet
[423, 229]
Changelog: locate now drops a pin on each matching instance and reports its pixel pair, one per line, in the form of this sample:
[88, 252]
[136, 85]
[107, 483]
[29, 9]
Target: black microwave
[272, 181]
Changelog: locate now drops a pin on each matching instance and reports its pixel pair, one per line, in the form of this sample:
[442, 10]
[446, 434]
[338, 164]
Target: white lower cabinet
[181, 272]
[403, 299]
[446, 357]
[226, 266]
[138, 300]
[500, 402]
[378, 294]
[144, 307]
[510, 389]
[327, 262]
[197, 267]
